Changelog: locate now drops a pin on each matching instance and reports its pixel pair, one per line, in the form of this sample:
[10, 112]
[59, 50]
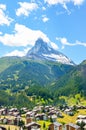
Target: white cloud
[62, 2]
[44, 18]
[4, 19]
[26, 8]
[78, 2]
[66, 8]
[2, 6]
[18, 53]
[1, 33]
[54, 46]
[81, 43]
[23, 36]
[15, 53]
[52, 2]
[65, 42]
[43, 8]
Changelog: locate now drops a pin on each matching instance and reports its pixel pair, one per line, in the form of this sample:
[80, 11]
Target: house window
[34, 128]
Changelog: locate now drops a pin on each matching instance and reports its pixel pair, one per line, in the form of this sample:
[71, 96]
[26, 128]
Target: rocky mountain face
[42, 51]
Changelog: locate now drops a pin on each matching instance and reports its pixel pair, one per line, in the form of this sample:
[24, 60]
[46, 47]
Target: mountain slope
[25, 72]
[6, 62]
[73, 82]
[42, 51]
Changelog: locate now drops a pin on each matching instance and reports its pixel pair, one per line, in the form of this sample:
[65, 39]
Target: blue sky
[61, 23]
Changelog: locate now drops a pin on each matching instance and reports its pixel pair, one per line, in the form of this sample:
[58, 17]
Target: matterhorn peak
[42, 51]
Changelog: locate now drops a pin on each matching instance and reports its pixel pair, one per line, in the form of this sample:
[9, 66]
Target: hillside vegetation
[26, 82]
[20, 73]
[73, 82]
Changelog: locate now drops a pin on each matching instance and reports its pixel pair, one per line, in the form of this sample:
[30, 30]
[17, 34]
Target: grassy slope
[74, 100]
[47, 123]
[71, 119]
[12, 127]
[6, 62]
[66, 119]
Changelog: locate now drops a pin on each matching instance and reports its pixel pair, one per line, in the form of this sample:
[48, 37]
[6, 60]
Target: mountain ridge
[42, 51]
[73, 82]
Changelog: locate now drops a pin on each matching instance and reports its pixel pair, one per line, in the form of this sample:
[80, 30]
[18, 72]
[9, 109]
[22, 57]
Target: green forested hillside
[6, 62]
[73, 82]
[21, 73]
[15, 99]
[26, 82]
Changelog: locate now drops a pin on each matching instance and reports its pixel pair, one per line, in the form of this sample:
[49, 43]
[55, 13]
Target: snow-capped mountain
[42, 51]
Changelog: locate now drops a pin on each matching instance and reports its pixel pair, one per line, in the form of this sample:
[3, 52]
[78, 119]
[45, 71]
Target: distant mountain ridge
[42, 51]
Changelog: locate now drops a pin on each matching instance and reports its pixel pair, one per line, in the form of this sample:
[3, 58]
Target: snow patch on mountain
[59, 58]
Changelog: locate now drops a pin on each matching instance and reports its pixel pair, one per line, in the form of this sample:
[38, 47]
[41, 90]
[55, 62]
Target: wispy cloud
[4, 19]
[26, 8]
[45, 18]
[60, 12]
[43, 8]
[78, 2]
[65, 42]
[64, 3]
[81, 43]
[66, 8]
